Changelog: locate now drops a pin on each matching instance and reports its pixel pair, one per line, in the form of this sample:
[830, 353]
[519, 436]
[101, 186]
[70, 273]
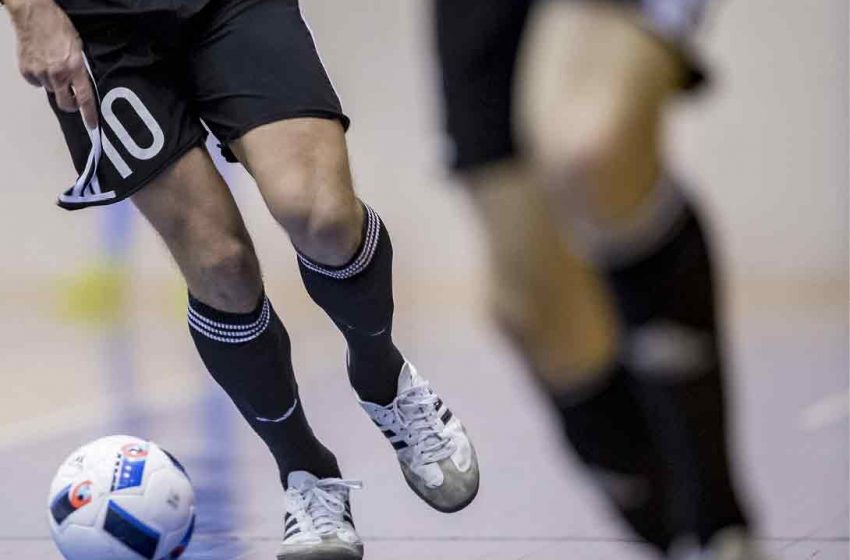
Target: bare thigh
[592, 91]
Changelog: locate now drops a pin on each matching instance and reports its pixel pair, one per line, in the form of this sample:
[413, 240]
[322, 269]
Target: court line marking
[482, 539]
[825, 412]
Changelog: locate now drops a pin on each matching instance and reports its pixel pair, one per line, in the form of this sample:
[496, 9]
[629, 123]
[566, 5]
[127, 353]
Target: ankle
[375, 376]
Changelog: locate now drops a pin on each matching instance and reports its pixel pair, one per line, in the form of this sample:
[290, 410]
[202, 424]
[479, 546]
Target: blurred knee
[601, 170]
[590, 147]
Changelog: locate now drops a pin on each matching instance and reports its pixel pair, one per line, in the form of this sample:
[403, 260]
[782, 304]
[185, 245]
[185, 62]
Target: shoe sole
[453, 509]
[321, 555]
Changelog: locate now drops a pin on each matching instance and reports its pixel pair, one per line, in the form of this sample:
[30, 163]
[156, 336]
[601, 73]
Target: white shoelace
[414, 411]
[324, 502]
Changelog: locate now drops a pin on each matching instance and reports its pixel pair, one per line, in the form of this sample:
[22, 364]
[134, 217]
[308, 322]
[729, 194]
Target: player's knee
[322, 219]
[334, 227]
[308, 215]
[229, 270]
[583, 157]
[589, 158]
[600, 171]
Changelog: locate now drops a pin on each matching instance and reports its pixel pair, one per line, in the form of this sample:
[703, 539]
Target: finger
[57, 79]
[55, 82]
[43, 80]
[85, 98]
[31, 78]
[33, 74]
[65, 100]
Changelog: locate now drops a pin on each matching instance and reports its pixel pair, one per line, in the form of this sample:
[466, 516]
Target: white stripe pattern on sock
[230, 333]
[370, 244]
[658, 218]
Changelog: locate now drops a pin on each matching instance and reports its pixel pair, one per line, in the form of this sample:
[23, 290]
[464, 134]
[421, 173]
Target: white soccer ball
[121, 498]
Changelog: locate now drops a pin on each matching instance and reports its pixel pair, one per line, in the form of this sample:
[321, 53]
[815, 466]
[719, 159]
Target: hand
[50, 55]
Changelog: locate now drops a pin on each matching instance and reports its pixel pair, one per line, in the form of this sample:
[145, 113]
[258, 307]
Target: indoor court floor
[141, 377]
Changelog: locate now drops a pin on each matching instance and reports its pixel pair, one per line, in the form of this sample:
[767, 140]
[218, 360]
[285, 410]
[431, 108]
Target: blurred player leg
[594, 90]
[236, 331]
[551, 305]
[345, 256]
[555, 311]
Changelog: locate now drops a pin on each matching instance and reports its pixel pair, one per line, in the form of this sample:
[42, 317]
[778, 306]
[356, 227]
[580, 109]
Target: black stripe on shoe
[346, 515]
[390, 434]
[447, 415]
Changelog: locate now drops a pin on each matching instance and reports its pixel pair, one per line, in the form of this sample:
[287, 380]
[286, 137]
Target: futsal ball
[121, 498]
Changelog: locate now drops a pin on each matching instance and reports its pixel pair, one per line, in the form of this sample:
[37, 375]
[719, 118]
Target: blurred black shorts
[162, 75]
[478, 43]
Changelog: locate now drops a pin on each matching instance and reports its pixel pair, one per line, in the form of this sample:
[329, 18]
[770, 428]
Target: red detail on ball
[81, 494]
[135, 450]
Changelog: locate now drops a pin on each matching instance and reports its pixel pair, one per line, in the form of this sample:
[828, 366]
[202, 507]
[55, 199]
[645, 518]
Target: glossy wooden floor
[74, 383]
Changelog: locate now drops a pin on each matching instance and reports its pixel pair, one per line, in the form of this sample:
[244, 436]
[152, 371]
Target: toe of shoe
[458, 490]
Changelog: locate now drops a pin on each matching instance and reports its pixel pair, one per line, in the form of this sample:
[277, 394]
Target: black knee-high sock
[607, 430]
[249, 356]
[666, 300]
[358, 297]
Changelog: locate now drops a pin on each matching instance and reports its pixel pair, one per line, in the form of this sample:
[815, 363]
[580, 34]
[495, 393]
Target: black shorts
[162, 75]
[478, 43]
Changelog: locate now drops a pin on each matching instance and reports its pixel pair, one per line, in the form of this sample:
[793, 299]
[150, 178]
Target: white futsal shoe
[436, 457]
[733, 543]
[318, 523]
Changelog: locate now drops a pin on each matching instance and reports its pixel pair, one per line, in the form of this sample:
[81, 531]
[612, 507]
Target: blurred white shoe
[733, 543]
